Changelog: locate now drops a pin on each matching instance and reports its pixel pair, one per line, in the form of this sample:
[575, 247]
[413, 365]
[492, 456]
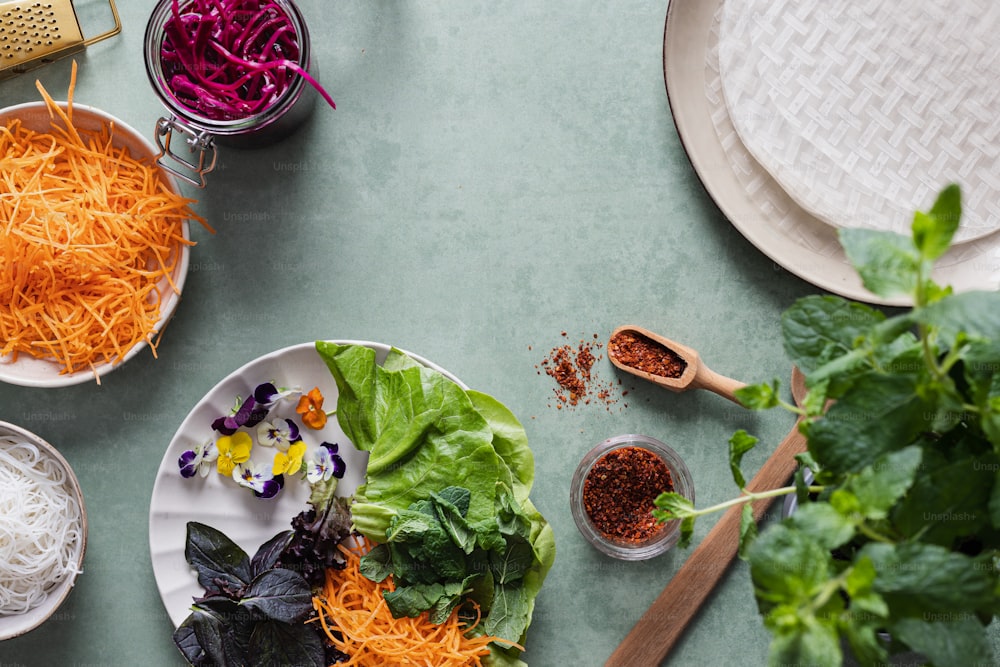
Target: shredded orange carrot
[89, 240]
[356, 619]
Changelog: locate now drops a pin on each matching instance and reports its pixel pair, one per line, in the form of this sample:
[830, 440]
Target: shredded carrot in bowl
[91, 238]
[357, 620]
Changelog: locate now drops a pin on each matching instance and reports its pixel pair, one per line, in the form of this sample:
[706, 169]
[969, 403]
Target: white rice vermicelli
[40, 526]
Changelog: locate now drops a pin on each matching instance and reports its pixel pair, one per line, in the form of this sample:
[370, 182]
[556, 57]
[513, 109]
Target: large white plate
[749, 197]
[218, 502]
[28, 371]
[863, 111]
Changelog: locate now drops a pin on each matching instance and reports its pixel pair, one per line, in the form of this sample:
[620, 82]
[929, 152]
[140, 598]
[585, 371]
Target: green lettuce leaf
[446, 493]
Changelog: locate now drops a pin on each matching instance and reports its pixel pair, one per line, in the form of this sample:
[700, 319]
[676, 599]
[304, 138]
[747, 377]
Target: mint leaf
[814, 644]
[673, 506]
[948, 499]
[879, 485]
[933, 231]
[864, 642]
[817, 329]
[787, 563]
[739, 444]
[823, 524]
[945, 638]
[968, 315]
[915, 577]
[860, 584]
[887, 262]
[759, 396]
[748, 530]
[879, 414]
[994, 502]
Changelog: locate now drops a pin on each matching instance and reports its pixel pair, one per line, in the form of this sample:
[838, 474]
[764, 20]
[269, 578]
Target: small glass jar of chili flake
[612, 494]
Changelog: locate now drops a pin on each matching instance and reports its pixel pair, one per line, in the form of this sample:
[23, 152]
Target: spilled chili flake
[572, 368]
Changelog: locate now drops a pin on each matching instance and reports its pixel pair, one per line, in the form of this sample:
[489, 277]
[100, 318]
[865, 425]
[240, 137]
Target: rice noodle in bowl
[43, 531]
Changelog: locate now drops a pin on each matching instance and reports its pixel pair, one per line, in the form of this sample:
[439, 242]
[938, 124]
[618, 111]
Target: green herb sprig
[895, 543]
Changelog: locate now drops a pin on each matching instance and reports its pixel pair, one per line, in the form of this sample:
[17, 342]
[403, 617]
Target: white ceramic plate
[864, 111]
[749, 197]
[19, 624]
[219, 502]
[28, 371]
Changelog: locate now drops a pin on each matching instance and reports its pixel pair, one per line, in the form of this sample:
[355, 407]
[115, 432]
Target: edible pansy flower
[266, 394]
[279, 433]
[289, 462]
[311, 408]
[233, 450]
[198, 460]
[245, 413]
[259, 479]
[325, 463]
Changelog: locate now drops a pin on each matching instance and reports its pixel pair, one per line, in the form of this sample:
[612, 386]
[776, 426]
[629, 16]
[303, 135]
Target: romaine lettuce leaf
[421, 429]
[448, 480]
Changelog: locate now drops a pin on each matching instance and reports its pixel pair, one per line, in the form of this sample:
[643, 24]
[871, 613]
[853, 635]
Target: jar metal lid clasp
[200, 142]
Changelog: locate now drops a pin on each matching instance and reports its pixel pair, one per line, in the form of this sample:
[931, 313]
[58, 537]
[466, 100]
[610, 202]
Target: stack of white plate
[853, 115]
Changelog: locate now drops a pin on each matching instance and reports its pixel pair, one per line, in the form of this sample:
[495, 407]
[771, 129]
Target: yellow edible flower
[233, 449]
[290, 461]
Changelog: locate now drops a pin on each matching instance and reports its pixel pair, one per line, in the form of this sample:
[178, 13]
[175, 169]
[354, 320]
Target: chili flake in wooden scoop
[666, 363]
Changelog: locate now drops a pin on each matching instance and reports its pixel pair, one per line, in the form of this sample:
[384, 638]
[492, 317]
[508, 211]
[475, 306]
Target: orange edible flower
[311, 408]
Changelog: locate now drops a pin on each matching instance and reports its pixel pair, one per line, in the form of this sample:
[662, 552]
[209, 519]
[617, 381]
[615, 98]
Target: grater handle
[110, 33]
[198, 142]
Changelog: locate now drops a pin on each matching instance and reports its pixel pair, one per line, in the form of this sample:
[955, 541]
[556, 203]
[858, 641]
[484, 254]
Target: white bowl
[31, 372]
[15, 625]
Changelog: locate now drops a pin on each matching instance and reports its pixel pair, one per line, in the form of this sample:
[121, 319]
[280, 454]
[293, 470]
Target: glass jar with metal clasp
[184, 83]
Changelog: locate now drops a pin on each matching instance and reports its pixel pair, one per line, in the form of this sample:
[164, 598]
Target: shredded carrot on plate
[90, 237]
[356, 619]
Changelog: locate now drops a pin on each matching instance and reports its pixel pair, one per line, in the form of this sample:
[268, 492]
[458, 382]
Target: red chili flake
[619, 491]
[640, 352]
[572, 367]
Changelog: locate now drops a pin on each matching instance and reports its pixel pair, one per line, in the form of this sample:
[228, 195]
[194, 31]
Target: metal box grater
[36, 33]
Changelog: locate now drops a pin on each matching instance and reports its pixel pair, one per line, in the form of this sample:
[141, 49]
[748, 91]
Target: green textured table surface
[499, 179]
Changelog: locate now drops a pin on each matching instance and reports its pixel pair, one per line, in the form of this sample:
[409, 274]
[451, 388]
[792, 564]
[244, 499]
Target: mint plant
[895, 544]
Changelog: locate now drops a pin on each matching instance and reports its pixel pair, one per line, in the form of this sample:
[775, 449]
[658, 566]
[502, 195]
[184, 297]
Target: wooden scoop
[661, 626]
[696, 374]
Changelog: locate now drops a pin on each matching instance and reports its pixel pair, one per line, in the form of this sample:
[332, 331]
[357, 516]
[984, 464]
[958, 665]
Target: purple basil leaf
[222, 566]
[274, 643]
[187, 641]
[214, 637]
[268, 554]
[281, 595]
